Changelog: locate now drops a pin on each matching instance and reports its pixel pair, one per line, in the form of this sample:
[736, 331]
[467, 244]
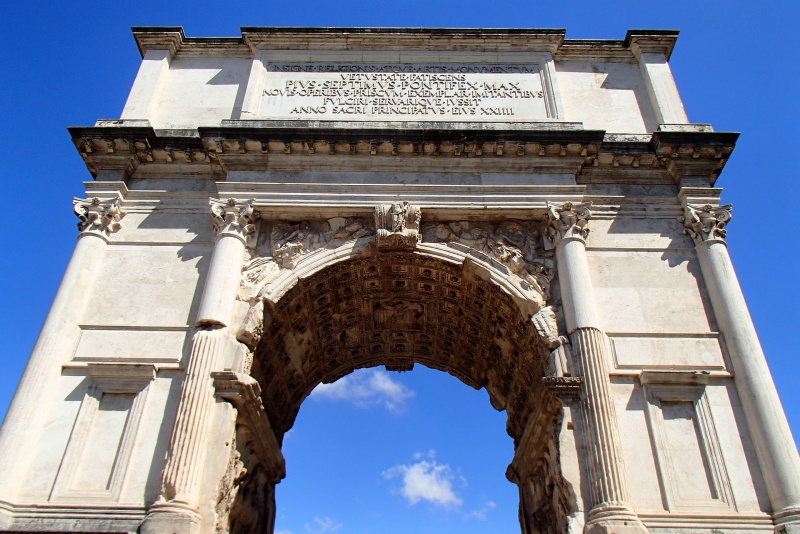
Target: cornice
[172, 38]
[548, 147]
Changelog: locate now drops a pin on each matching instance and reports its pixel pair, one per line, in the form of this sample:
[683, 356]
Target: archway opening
[397, 452]
[398, 309]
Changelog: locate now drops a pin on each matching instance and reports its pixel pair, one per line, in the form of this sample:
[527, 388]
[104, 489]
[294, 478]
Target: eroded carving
[98, 216]
[281, 245]
[546, 325]
[289, 242]
[563, 221]
[707, 222]
[512, 243]
[246, 497]
[397, 226]
[246, 494]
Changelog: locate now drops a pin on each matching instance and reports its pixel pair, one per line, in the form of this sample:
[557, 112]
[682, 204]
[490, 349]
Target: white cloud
[365, 388]
[481, 514]
[283, 532]
[426, 480]
[323, 525]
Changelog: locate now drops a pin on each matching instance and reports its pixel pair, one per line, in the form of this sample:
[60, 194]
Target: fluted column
[772, 437]
[178, 511]
[565, 230]
[24, 421]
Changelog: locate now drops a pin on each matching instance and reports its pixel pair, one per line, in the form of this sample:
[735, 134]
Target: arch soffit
[443, 305]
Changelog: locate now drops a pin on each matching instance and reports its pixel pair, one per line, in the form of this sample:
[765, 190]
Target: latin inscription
[403, 92]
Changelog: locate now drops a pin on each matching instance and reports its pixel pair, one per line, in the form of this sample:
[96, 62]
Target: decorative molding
[672, 388]
[563, 387]
[107, 380]
[234, 217]
[565, 221]
[397, 226]
[706, 223]
[98, 216]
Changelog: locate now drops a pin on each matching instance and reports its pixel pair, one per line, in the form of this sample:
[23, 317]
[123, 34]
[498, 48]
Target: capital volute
[705, 223]
[98, 216]
[565, 221]
[234, 217]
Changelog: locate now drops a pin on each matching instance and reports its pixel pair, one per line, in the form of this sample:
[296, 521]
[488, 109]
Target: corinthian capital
[706, 223]
[563, 221]
[233, 217]
[97, 215]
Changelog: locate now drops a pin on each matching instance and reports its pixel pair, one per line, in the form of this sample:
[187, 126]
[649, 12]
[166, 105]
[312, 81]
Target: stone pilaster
[772, 437]
[25, 419]
[178, 509]
[565, 230]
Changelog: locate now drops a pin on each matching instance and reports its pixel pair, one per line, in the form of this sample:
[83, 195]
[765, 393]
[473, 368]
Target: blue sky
[417, 451]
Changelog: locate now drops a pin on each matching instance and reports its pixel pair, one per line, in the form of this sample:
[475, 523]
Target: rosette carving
[98, 216]
[234, 217]
[707, 222]
[564, 221]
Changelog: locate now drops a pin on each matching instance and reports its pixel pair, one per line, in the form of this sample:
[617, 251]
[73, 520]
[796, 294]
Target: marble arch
[368, 188]
[398, 309]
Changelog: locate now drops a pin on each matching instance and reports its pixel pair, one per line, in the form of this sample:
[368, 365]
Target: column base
[171, 517]
[787, 521]
[613, 519]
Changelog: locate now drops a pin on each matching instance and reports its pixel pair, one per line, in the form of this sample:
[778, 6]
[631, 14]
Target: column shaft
[178, 510]
[565, 229]
[188, 443]
[608, 480]
[772, 437]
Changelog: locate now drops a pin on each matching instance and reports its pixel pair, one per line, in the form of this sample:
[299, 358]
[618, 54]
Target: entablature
[591, 156]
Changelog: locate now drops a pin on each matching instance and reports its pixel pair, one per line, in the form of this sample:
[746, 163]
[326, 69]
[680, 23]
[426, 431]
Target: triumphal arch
[532, 214]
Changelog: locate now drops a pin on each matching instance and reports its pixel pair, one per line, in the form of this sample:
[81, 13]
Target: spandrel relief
[281, 245]
[514, 244]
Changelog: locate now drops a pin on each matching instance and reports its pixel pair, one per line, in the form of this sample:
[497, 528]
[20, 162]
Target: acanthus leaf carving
[564, 221]
[98, 216]
[234, 217]
[706, 222]
[398, 226]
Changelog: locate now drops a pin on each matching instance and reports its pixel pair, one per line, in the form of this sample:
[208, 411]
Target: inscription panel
[403, 92]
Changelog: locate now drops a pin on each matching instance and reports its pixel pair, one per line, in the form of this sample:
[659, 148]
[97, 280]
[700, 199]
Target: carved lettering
[421, 92]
